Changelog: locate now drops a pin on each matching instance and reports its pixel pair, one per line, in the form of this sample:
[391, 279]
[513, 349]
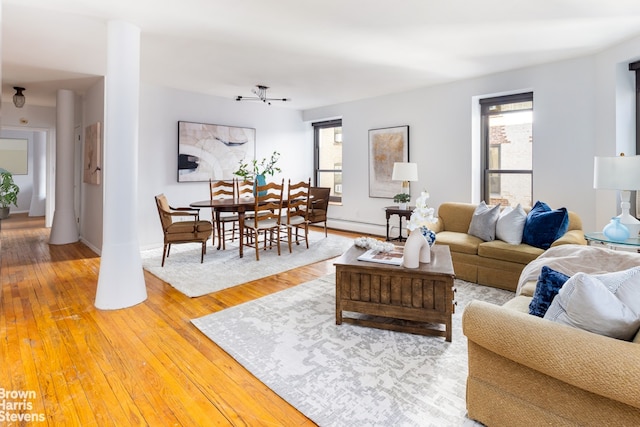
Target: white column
[37, 206]
[64, 228]
[121, 280]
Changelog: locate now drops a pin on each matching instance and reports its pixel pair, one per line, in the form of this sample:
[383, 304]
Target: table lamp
[405, 172]
[620, 173]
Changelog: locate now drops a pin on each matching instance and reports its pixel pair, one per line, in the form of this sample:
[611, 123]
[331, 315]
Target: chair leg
[289, 237]
[204, 249]
[164, 254]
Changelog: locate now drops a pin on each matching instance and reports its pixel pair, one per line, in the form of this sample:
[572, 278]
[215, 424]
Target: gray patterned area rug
[349, 375]
[224, 269]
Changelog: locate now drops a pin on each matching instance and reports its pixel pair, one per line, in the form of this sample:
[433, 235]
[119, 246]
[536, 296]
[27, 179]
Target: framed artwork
[14, 155]
[91, 169]
[208, 151]
[386, 146]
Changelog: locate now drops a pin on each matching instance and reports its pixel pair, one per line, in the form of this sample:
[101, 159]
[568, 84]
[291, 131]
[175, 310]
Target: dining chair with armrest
[297, 211]
[185, 231]
[319, 206]
[266, 217]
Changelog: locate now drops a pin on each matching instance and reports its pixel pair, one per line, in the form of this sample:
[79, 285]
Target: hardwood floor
[146, 365]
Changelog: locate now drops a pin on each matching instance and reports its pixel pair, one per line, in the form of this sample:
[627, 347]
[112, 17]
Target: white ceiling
[317, 52]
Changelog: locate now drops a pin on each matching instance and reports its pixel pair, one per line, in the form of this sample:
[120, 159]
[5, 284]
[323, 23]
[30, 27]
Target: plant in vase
[402, 199]
[8, 193]
[417, 249]
[422, 216]
[258, 171]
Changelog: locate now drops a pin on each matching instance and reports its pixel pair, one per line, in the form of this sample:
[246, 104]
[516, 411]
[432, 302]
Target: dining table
[236, 205]
[239, 205]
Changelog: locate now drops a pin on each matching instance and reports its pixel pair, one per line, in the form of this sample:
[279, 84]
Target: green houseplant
[253, 169]
[402, 199]
[8, 193]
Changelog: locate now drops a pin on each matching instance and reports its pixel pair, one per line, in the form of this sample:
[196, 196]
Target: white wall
[21, 123]
[576, 103]
[92, 195]
[277, 128]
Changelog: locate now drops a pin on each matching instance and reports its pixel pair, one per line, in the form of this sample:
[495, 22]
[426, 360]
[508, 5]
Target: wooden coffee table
[397, 298]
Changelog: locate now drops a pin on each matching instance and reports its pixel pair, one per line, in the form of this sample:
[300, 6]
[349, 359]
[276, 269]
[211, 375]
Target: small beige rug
[224, 269]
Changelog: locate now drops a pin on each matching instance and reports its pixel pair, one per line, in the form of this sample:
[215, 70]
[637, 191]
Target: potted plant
[258, 171]
[250, 170]
[402, 199]
[8, 193]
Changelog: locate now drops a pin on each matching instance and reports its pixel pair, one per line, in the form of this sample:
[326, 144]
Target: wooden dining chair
[266, 218]
[186, 231]
[319, 206]
[297, 211]
[220, 190]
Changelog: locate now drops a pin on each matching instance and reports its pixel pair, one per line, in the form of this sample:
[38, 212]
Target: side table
[402, 213]
[632, 243]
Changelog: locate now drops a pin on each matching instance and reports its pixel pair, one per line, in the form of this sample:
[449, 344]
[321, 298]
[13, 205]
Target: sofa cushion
[549, 283]
[544, 225]
[510, 225]
[604, 304]
[483, 222]
[455, 216]
[459, 242]
[519, 303]
[521, 254]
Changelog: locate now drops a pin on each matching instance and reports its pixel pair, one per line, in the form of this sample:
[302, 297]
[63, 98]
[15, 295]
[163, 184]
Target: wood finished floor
[144, 365]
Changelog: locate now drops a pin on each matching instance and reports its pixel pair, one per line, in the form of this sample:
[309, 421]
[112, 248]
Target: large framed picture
[207, 151]
[386, 146]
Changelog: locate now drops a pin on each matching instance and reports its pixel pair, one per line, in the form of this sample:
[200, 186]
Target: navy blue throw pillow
[549, 283]
[543, 225]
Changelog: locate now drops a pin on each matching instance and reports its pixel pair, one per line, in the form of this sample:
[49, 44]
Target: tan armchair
[189, 231]
[319, 206]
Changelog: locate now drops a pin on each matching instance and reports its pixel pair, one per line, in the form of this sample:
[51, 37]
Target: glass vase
[616, 231]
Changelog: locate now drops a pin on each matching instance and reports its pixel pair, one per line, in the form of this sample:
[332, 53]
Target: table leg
[241, 226]
[220, 236]
[388, 228]
[400, 228]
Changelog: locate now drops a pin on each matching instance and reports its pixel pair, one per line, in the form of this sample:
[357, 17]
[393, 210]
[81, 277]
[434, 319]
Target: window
[635, 68]
[328, 157]
[507, 141]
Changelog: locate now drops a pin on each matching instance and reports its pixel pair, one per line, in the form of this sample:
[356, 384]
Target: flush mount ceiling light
[18, 98]
[261, 95]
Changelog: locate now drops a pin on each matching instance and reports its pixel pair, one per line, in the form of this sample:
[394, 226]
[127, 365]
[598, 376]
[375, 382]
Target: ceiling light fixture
[18, 98]
[261, 95]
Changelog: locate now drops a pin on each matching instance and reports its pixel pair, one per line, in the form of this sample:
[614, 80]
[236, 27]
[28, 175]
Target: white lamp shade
[405, 171]
[617, 173]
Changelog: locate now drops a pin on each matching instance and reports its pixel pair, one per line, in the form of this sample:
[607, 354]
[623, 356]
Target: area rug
[224, 269]
[347, 374]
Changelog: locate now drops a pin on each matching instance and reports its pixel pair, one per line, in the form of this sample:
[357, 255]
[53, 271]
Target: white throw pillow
[585, 302]
[510, 225]
[483, 222]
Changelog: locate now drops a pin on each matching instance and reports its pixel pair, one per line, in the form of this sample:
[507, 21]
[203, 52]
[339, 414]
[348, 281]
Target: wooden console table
[423, 296]
[402, 213]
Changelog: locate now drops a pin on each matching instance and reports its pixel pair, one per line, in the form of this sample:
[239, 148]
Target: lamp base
[626, 218]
